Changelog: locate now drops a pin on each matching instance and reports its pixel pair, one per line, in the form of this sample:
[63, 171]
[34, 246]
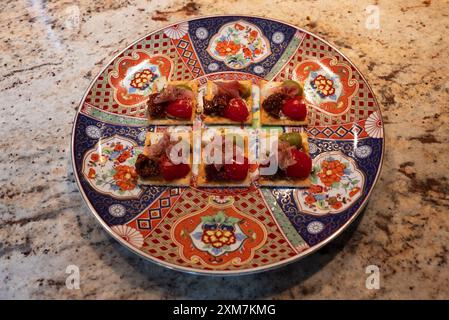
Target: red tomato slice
[172, 171]
[236, 110]
[237, 171]
[181, 108]
[295, 109]
[303, 166]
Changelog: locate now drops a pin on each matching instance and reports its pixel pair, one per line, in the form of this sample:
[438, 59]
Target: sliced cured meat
[171, 93]
[231, 88]
[157, 149]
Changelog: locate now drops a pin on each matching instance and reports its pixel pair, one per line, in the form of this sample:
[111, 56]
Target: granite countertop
[48, 59]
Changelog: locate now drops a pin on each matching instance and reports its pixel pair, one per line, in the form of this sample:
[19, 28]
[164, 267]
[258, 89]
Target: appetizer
[174, 104]
[282, 103]
[230, 167]
[293, 161]
[157, 165]
[228, 102]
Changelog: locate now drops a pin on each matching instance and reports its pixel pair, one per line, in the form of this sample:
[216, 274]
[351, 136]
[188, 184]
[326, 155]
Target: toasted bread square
[268, 120]
[287, 182]
[153, 137]
[209, 95]
[193, 84]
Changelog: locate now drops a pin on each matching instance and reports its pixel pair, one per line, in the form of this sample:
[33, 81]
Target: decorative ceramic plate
[271, 227]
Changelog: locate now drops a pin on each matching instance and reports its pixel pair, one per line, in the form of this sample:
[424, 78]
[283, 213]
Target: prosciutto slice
[285, 156]
[157, 149]
[231, 88]
[172, 93]
[289, 90]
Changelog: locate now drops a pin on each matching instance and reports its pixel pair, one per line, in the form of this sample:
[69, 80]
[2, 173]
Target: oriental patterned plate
[228, 230]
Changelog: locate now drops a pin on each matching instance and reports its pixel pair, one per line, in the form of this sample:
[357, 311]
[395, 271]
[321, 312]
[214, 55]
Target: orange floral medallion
[218, 235]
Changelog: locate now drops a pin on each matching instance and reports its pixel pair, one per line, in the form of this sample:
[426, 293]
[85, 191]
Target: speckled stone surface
[48, 58]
